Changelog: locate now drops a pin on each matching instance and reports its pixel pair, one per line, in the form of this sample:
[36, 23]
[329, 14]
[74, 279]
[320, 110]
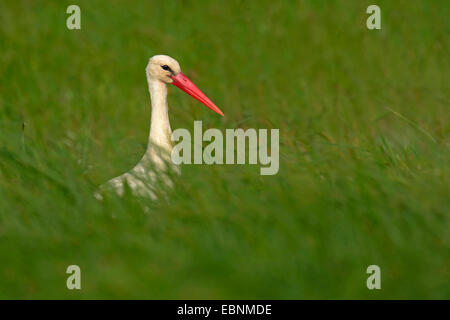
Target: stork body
[160, 71]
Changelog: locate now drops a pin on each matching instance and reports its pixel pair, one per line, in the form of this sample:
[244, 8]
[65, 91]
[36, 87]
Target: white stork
[161, 70]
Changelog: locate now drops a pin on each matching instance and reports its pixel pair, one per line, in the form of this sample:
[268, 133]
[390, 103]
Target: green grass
[364, 150]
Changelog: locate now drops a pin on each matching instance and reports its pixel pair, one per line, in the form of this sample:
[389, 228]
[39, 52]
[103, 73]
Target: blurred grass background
[364, 150]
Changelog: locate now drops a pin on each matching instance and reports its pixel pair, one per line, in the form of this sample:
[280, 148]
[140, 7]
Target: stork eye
[165, 67]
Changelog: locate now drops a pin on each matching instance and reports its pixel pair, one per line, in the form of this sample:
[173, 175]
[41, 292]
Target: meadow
[364, 150]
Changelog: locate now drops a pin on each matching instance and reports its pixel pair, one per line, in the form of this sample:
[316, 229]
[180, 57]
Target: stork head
[167, 70]
[163, 67]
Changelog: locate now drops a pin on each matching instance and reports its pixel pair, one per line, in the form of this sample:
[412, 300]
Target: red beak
[182, 82]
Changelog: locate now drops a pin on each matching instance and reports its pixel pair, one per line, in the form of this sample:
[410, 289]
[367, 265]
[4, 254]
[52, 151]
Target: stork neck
[159, 126]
